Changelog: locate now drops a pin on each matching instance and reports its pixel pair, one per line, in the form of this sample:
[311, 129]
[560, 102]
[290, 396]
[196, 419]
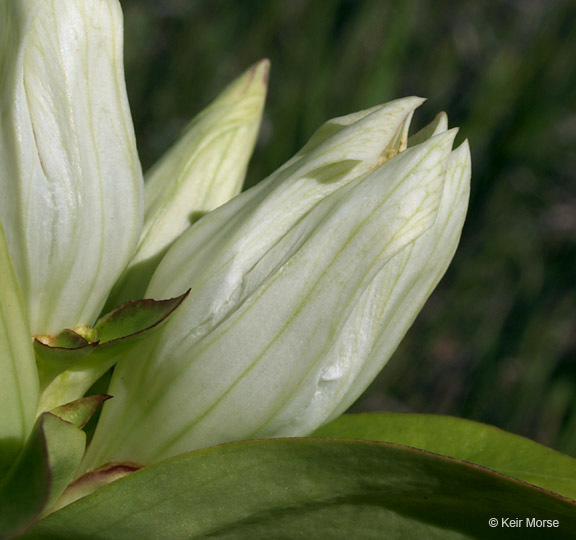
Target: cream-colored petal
[258, 218]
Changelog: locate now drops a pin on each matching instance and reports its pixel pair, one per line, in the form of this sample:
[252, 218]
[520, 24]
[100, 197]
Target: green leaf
[466, 440]
[79, 412]
[41, 473]
[55, 359]
[308, 488]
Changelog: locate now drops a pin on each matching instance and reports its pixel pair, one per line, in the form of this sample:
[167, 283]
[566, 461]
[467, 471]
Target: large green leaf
[466, 440]
[41, 473]
[309, 489]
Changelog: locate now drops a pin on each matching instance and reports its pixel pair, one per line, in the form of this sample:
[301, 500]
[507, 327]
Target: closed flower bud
[301, 288]
[70, 177]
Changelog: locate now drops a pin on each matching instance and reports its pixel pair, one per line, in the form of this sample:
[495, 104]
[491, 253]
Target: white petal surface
[386, 310]
[69, 173]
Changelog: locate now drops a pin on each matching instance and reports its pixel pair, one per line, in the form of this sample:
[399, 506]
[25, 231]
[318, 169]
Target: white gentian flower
[299, 288]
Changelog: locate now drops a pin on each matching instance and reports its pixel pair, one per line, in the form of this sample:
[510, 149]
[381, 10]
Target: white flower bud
[69, 173]
[299, 286]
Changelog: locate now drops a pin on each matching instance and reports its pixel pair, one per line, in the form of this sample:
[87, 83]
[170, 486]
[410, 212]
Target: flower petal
[69, 172]
[18, 375]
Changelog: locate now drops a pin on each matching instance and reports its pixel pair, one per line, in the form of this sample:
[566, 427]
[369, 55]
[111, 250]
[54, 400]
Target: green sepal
[95, 480]
[308, 488]
[135, 317]
[477, 443]
[52, 360]
[67, 339]
[80, 411]
[41, 473]
[66, 373]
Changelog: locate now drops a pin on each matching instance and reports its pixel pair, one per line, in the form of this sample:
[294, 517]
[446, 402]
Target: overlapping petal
[387, 308]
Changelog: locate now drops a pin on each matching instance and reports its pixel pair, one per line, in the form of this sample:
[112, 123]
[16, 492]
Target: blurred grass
[497, 340]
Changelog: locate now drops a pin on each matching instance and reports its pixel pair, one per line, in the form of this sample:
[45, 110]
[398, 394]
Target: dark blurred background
[497, 340]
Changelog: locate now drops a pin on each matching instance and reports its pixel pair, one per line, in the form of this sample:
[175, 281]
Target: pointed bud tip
[449, 134]
[262, 70]
[406, 105]
[441, 120]
[462, 152]
[446, 138]
[259, 73]
[251, 83]
[441, 142]
[437, 126]
[413, 101]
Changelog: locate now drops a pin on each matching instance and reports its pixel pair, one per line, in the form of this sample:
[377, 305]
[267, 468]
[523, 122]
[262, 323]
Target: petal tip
[261, 70]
